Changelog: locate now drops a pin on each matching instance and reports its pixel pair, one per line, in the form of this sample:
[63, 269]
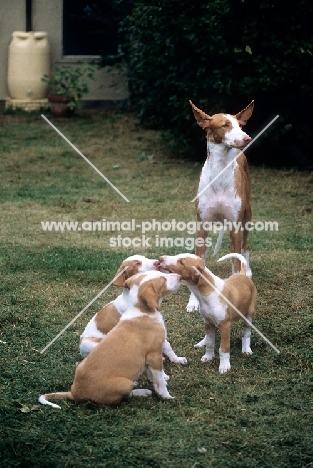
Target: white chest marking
[121, 301]
[219, 201]
[211, 307]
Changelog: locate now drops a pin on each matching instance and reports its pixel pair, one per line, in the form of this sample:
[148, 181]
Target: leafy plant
[71, 82]
[221, 55]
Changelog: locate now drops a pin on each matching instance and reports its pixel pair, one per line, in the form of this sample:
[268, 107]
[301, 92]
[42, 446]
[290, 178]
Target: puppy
[108, 373]
[218, 300]
[107, 317]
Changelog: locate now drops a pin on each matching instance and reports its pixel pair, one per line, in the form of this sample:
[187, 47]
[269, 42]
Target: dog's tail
[243, 270]
[55, 396]
[218, 242]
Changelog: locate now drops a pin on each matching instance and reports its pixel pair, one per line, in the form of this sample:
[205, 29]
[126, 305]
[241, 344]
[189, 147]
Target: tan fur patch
[132, 269]
[90, 338]
[149, 294]
[135, 281]
[241, 292]
[219, 126]
[184, 267]
[107, 318]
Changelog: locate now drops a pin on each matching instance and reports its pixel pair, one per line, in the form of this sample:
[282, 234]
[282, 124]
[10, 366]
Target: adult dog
[224, 187]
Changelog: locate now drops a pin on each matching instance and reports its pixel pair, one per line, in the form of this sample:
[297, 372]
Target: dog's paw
[200, 344]
[165, 376]
[224, 363]
[207, 357]
[245, 347]
[143, 392]
[180, 360]
[193, 304]
[224, 367]
[167, 396]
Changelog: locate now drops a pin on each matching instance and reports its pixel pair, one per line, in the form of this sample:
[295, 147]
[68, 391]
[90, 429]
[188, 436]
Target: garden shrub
[222, 54]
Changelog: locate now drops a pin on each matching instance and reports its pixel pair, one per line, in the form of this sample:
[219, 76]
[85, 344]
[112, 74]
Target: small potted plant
[67, 85]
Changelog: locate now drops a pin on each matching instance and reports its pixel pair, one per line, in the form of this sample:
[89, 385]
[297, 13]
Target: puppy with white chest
[218, 300]
[108, 373]
[107, 317]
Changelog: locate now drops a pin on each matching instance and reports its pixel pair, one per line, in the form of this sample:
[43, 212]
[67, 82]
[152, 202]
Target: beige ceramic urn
[29, 60]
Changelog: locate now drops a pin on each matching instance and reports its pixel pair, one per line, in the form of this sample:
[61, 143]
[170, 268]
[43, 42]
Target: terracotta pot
[59, 107]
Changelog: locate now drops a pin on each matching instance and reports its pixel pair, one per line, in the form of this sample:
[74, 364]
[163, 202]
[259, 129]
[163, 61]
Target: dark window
[89, 28]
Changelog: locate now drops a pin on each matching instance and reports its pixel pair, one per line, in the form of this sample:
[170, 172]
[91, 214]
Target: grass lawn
[257, 415]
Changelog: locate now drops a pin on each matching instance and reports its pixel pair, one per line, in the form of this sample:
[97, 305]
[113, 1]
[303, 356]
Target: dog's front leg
[193, 303]
[149, 376]
[201, 251]
[235, 247]
[245, 244]
[154, 363]
[208, 342]
[246, 336]
[201, 247]
[224, 350]
[159, 383]
[169, 352]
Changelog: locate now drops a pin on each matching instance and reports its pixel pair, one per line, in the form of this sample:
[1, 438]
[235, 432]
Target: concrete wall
[110, 85]
[47, 16]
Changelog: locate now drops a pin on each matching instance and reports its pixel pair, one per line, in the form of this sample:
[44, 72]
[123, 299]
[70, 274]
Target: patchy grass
[258, 415]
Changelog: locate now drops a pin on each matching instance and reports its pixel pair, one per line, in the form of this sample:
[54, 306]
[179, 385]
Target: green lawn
[257, 415]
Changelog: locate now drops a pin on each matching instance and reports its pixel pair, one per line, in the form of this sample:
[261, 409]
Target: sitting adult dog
[107, 317]
[219, 299]
[108, 373]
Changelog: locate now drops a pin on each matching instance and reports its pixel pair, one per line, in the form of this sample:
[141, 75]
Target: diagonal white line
[84, 157]
[82, 311]
[238, 311]
[240, 152]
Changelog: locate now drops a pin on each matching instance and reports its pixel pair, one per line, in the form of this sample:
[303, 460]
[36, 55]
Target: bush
[221, 55]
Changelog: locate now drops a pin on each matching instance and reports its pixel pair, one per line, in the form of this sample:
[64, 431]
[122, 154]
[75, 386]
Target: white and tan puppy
[108, 373]
[107, 317]
[212, 292]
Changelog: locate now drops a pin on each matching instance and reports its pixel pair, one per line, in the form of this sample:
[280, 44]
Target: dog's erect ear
[203, 119]
[149, 295]
[244, 115]
[120, 280]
